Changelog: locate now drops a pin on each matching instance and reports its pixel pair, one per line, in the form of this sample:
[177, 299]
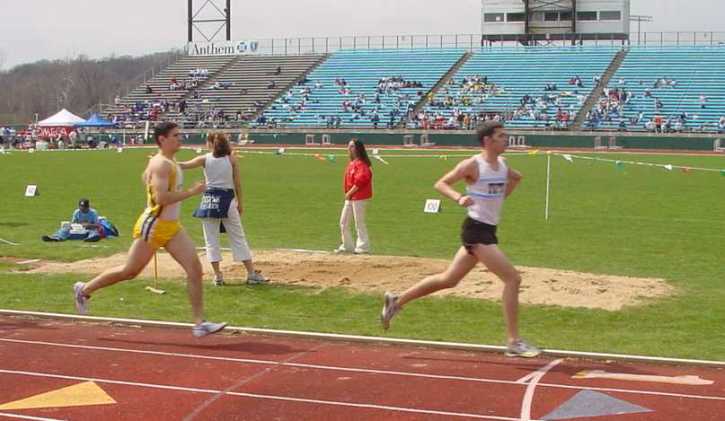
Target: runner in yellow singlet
[158, 226]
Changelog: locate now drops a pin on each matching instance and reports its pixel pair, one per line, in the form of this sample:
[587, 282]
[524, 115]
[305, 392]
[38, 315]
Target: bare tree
[77, 84]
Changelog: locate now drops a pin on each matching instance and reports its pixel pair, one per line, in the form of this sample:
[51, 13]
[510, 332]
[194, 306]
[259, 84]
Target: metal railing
[324, 45]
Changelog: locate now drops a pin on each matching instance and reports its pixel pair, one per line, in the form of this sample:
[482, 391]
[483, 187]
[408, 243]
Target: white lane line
[26, 417]
[375, 339]
[365, 370]
[254, 361]
[260, 396]
[244, 381]
[8, 242]
[529, 394]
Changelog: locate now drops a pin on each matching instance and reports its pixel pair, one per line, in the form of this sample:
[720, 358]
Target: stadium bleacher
[677, 77]
[517, 72]
[362, 70]
[243, 86]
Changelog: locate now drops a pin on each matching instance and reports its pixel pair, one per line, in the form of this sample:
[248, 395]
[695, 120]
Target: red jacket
[359, 174]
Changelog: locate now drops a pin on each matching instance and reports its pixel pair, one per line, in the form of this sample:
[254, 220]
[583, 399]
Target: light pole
[639, 19]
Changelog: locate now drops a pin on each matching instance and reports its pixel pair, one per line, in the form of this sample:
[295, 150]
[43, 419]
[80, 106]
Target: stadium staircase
[453, 70]
[598, 90]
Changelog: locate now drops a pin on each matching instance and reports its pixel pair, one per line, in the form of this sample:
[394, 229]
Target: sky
[32, 30]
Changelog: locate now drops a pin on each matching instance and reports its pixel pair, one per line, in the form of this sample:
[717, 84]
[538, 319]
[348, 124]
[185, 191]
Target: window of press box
[493, 17]
[610, 15]
[516, 17]
[586, 15]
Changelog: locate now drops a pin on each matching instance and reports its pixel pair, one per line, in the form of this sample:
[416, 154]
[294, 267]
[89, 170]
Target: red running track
[156, 373]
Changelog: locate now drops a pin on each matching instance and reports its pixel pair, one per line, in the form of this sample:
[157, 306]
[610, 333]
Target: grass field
[635, 220]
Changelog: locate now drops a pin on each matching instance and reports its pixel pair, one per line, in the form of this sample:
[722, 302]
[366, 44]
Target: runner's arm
[514, 178]
[445, 185]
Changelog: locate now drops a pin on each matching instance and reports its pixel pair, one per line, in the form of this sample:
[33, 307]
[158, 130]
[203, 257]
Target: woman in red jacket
[358, 188]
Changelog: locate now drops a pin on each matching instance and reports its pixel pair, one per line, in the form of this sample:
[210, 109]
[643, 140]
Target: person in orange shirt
[358, 188]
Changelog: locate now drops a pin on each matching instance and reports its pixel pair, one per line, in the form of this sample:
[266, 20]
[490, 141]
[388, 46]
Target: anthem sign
[228, 48]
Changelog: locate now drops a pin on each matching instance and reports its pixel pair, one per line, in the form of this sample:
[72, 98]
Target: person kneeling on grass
[92, 227]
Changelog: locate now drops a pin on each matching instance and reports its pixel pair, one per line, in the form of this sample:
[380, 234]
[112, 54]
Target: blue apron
[214, 203]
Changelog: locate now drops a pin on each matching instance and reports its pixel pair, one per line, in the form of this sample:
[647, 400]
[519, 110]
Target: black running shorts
[475, 232]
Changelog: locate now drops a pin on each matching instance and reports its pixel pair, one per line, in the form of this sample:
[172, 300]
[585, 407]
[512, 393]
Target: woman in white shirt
[221, 207]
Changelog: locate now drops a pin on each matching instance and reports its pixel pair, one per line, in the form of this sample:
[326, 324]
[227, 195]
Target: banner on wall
[226, 48]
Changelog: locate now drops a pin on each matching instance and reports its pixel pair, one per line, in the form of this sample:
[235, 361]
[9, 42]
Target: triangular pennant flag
[668, 167]
[331, 158]
[568, 157]
[82, 394]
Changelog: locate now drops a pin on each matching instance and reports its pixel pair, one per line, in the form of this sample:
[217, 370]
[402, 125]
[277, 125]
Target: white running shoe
[207, 328]
[80, 298]
[390, 309]
[522, 349]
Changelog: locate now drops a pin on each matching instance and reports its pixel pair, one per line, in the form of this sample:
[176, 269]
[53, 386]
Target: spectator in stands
[148, 89]
[278, 71]
[703, 101]
[658, 104]
[721, 125]
[117, 100]
[243, 91]
[272, 84]
[647, 93]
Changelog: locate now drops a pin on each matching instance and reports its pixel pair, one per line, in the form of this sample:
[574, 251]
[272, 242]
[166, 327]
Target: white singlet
[488, 191]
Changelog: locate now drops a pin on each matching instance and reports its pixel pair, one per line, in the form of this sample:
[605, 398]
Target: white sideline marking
[377, 339]
[366, 371]
[261, 362]
[8, 242]
[27, 262]
[260, 396]
[26, 417]
[529, 394]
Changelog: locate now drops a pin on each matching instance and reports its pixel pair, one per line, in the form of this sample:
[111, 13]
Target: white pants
[233, 225]
[356, 209]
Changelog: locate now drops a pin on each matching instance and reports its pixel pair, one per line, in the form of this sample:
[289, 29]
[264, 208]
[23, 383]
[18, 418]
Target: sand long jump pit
[376, 274]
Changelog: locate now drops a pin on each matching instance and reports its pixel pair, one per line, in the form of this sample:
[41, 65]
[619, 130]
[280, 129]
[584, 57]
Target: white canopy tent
[62, 118]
